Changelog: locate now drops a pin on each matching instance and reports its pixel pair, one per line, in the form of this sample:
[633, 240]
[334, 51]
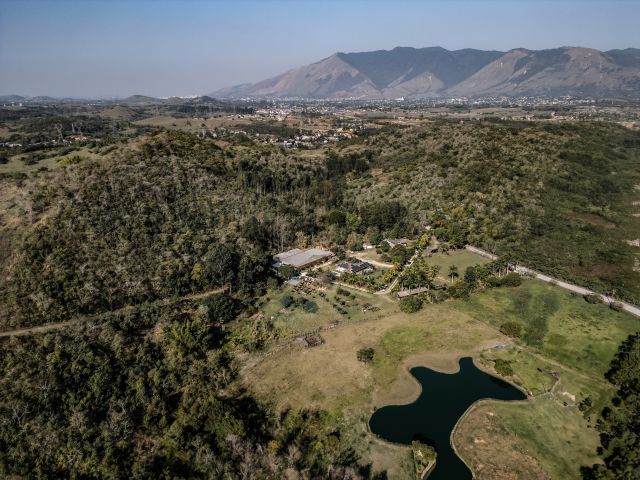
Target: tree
[453, 272]
[399, 255]
[221, 308]
[470, 276]
[620, 421]
[286, 272]
[411, 304]
[423, 241]
[374, 237]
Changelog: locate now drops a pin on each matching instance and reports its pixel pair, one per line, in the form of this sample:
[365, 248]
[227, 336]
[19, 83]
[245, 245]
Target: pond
[434, 414]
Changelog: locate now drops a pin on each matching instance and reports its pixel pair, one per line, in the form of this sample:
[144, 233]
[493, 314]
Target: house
[300, 259]
[394, 242]
[354, 267]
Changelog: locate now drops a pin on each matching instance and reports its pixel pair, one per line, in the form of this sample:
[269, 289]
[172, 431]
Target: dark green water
[431, 418]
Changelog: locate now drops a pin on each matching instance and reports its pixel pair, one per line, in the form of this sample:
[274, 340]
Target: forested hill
[181, 214]
[558, 197]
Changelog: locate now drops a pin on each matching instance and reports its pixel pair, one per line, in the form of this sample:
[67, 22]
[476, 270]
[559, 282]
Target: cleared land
[460, 258]
[560, 371]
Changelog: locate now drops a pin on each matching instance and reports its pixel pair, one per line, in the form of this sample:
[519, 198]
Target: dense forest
[558, 197]
[619, 424]
[150, 393]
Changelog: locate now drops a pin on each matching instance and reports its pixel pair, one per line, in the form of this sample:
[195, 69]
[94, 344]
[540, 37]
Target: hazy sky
[107, 48]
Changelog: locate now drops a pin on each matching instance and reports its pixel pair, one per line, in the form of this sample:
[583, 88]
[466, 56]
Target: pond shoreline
[447, 363]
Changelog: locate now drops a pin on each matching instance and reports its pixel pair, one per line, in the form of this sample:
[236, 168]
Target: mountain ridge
[438, 72]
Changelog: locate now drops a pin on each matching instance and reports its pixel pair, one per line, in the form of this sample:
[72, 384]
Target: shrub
[503, 367]
[617, 306]
[511, 280]
[365, 355]
[410, 304]
[310, 306]
[460, 289]
[592, 298]
[511, 329]
[286, 300]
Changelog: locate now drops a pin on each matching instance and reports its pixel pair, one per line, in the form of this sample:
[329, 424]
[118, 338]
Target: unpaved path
[59, 325]
[31, 330]
[627, 307]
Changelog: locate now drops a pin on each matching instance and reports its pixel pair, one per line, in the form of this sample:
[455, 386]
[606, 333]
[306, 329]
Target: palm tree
[453, 272]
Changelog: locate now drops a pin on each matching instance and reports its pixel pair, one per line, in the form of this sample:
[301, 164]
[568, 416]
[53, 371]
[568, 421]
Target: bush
[460, 289]
[286, 300]
[365, 355]
[410, 304]
[503, 367]
[592, 298]
[511, 280]
[617, 306]
[511, 329]
[310, 306]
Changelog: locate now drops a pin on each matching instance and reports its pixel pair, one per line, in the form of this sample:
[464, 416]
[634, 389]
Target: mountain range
[437, 72]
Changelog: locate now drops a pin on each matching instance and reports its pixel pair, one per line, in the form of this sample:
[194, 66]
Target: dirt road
[627, 307]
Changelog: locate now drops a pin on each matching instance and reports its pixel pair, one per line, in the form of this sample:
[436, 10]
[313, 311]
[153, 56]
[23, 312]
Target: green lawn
[554, 434]
[556, 323]
[460, 258]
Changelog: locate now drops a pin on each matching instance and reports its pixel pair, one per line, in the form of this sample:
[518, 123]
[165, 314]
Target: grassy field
[558, 324]
[559, 374]
[292, 321]
[460, 258]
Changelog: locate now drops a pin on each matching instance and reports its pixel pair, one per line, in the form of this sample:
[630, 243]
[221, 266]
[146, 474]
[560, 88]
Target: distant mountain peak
[438, 72]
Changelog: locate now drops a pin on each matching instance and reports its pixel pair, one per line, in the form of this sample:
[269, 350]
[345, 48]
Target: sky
[115, 48]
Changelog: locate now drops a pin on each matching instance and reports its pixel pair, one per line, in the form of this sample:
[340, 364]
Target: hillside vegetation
[557, 197]
[182, 214]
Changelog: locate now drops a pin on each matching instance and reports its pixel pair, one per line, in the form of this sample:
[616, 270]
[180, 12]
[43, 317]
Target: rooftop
[298, 258]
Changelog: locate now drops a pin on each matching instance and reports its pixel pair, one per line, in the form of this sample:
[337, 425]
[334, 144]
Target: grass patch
[555, 435]
[460, 258]
[556, 323]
